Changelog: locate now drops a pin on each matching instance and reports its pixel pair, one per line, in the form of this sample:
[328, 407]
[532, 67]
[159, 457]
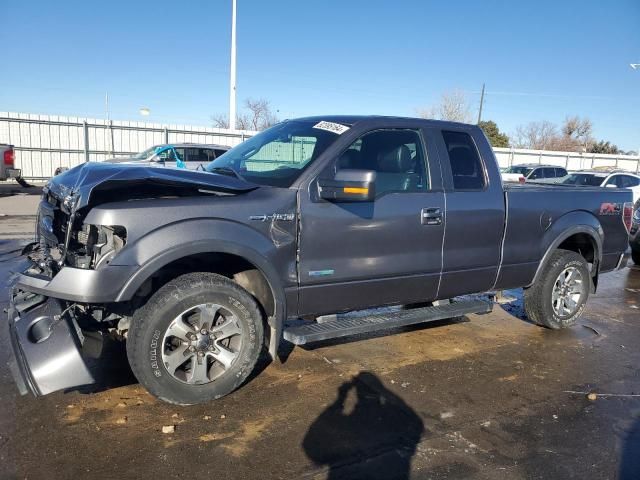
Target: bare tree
[577, 132]
[220, 120]
[535, 135]
[258, 115]
[453, 106]
[243, 122]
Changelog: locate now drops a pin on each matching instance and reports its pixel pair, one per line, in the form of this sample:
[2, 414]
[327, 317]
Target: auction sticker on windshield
[331, 127]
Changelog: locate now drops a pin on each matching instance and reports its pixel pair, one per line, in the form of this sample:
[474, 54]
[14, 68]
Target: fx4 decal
[610, 209]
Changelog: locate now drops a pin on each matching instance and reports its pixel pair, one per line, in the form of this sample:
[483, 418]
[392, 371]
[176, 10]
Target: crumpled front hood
[86, 180]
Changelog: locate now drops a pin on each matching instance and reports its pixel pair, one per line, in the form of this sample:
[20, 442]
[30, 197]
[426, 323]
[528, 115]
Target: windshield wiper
[226, 171]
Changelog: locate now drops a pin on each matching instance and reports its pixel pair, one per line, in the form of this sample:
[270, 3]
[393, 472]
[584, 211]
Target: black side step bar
[314, 332]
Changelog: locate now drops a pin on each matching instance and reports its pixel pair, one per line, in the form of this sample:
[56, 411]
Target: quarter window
[466, 166]
[627, 181]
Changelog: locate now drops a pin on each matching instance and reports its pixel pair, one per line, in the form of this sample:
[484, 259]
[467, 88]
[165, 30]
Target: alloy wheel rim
[201, 344]
[567, 292]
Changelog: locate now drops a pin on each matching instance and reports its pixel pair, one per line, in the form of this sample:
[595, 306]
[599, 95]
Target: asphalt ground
[482, 397]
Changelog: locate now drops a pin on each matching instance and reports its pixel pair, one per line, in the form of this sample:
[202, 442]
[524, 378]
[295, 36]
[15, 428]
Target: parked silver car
[192, 156]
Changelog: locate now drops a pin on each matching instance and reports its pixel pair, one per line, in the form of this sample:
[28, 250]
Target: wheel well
[237, 268]
[583, 244]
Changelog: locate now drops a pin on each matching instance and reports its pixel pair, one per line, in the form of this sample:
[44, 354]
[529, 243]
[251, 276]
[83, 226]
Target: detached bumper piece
[46, 345]
[314, 332]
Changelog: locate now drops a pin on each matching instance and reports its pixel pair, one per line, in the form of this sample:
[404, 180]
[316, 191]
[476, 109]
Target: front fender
[167, 244]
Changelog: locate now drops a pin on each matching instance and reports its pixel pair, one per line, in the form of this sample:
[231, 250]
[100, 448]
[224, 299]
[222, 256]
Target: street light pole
[636, 66]
[232, 80]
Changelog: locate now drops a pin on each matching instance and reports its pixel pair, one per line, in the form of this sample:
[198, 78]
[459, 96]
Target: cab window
[396, 156]
[466, 167]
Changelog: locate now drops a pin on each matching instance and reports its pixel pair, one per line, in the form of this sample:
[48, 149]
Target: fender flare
[591, 231]
[176, 252]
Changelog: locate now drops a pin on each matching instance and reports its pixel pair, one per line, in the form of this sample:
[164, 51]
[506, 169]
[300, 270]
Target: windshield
[519, 170]
[277, 156]
[147, 154]
[588, 179]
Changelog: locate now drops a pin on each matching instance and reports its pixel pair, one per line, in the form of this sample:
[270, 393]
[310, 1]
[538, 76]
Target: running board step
[314, 332]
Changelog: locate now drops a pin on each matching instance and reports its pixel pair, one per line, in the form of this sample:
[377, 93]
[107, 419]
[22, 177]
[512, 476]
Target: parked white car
[609, 179]
[533, 172]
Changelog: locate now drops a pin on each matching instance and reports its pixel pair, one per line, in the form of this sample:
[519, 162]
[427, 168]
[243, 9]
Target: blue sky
[540, 60]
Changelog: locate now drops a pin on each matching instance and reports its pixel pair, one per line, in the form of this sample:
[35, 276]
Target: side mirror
[349, 186]
[611, 185]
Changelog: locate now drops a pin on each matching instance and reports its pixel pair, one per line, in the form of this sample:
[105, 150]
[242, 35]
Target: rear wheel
[558, 297]
[196, 339]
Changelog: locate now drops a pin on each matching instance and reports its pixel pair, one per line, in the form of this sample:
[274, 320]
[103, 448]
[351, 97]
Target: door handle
[431, 216]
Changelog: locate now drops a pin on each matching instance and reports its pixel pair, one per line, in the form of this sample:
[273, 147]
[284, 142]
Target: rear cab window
[467, 169]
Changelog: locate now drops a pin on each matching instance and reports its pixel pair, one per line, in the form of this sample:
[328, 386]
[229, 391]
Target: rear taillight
[521, 179]
[8, 157]
[627, 215]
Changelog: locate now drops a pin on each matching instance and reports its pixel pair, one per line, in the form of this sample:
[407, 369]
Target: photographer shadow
[368, 432]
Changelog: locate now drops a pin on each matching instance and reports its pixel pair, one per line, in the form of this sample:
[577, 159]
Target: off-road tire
[635, 255]
[150, 322]
[538, 298]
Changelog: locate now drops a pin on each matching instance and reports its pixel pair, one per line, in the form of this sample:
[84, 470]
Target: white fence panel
[44, 142]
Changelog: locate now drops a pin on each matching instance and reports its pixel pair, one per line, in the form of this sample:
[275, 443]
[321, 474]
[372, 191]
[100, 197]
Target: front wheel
[196, 339]
[558, 297]
[635, 255]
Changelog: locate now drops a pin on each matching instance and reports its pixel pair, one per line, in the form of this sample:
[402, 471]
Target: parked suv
[192, 156]
[609, 179]
[533, 172]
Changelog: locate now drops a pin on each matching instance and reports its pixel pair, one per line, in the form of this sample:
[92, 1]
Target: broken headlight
[95, 245]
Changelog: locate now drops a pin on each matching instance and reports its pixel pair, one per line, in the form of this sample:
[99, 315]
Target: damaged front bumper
[46, 345]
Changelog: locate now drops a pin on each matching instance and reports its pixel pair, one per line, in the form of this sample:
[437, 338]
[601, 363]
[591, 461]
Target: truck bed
[531, 216]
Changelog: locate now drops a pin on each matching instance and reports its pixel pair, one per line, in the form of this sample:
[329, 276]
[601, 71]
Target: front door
[387, 251]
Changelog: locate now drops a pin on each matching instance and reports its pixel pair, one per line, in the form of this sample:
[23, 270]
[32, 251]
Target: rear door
[475, 213]
[387, 251]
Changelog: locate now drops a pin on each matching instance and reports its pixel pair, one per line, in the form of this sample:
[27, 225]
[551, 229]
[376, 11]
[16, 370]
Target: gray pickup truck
[201, 271]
